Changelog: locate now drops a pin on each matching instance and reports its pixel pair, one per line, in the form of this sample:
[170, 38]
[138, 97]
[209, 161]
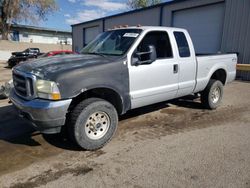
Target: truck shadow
[10, 124]
[190, 101]
[17, 131]
[14, 129]
[62, 141]
[144, 110]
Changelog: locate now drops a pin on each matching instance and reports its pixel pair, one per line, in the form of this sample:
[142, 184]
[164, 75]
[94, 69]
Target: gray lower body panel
[46, 116]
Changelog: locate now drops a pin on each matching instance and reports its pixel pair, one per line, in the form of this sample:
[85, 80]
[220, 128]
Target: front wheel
[92, 123]
[211, 97]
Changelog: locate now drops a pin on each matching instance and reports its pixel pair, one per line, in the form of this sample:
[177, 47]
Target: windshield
[115, 42]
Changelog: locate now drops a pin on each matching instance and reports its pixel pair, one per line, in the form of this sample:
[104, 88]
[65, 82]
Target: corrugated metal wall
[204, 24]
[152, 18]
[77, 34]
[236, 32]
[169, 10]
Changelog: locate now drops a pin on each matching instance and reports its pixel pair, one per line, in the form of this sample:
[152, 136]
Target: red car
[59, 52]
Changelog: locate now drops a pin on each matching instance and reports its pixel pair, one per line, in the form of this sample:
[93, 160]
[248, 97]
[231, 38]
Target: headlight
[47, 90]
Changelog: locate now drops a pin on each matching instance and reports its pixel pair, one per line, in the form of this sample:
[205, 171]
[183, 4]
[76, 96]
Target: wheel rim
[97, 125]
[216, 95]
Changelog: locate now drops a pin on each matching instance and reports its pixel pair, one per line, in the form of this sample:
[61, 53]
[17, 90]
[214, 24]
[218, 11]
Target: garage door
[205, 25]
[90, 33]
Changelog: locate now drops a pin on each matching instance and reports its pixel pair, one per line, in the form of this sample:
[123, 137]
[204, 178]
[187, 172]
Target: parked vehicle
[56, 53]
[17, 57]
[120, 70]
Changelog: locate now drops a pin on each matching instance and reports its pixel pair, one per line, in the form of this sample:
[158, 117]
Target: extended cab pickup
[122, 69]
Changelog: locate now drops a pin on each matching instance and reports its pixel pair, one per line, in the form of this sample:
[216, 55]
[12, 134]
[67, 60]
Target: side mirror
[147, 57]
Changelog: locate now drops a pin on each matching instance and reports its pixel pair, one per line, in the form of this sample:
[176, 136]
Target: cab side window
[160, 40]
[182, 43]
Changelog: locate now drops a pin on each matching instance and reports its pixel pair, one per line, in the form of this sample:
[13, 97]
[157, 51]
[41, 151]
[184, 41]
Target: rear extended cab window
[182, 43]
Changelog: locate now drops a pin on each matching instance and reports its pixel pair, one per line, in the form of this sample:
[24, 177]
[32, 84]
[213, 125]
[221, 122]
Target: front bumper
[46, 116]
[13, 61]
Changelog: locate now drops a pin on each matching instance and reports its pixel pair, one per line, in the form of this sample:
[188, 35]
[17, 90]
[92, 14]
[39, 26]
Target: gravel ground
[175, 144]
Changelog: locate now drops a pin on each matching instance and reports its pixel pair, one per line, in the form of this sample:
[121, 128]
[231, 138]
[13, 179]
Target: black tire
[11, 64]
[208, 98]
[79, 118]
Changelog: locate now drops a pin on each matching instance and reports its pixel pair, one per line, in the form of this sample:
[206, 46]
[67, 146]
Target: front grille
[23, 85]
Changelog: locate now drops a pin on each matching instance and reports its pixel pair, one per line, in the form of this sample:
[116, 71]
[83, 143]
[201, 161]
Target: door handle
[176, 69]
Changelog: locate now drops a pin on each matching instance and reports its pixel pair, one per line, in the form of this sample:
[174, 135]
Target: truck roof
[150, 28]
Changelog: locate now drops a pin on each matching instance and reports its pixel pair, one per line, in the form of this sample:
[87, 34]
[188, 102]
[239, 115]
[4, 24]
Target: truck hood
[44, 67]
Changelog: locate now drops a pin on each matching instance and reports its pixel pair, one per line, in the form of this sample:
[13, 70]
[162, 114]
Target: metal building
[214, 25]
[32, 34]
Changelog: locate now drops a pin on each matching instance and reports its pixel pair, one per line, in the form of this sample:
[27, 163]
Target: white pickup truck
[122, 69]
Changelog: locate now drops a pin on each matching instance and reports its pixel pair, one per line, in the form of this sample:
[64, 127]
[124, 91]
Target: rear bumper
[46, 116]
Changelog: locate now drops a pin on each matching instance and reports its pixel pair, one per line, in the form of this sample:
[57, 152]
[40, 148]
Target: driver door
[157, 81]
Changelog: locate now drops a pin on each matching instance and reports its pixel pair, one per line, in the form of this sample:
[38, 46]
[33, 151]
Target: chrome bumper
[46, 116]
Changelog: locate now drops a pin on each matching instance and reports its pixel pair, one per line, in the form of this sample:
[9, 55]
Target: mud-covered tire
[81, 123]
[212, 96]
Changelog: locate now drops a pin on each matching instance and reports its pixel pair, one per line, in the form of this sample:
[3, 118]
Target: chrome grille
[23, 85]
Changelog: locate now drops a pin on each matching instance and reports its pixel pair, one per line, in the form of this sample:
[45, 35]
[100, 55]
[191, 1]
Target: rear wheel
[211, 97]
[93, 123]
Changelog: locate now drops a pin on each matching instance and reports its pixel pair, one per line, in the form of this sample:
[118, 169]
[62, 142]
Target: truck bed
[208, 64]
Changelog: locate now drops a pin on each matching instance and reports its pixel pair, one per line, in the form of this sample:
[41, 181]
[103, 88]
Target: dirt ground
[172, 144]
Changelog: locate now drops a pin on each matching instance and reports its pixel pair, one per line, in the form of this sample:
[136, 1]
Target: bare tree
[23, 10]
[136, 4]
